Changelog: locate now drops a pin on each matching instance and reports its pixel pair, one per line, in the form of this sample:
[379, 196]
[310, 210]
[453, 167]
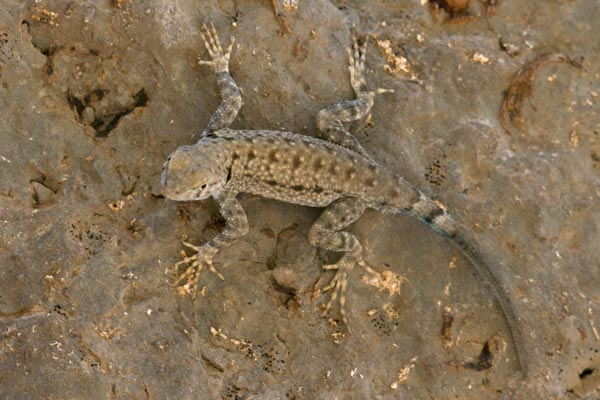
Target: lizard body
[289, 167]
[336, 173]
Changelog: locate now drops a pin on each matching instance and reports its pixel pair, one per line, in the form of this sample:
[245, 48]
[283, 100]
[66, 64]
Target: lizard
[333, 171]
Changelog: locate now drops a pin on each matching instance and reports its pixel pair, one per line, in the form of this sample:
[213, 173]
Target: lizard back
[308, 171]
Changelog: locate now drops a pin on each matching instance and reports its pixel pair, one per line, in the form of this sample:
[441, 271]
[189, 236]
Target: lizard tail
[435, 215]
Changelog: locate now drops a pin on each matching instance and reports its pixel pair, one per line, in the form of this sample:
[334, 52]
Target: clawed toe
[195, 263]
[219, 57]
[356, 65]
[338, 288]
[338, 285]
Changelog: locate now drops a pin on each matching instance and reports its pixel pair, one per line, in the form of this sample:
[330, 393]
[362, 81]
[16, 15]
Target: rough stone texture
[95, 94]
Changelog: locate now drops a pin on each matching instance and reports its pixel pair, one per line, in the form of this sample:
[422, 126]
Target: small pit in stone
[103, 125]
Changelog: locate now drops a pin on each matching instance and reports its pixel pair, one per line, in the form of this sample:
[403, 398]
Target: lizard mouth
[188, 195]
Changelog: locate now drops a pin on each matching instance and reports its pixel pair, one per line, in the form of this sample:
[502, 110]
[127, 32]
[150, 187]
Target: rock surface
[94, 96]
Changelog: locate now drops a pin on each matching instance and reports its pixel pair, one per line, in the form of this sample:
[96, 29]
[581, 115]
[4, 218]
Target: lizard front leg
[236, 226]
[328, 233]
[230, 94]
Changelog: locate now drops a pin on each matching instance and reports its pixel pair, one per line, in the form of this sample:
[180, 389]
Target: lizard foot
[339, 282]
[195, 263]
[356, 67]
[219, 57]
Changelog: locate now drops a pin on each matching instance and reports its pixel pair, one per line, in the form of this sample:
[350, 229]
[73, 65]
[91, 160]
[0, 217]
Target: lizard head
[189, 174]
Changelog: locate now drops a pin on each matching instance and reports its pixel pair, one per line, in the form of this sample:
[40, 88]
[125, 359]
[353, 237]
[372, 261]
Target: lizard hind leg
[327, 233]
[330, 120]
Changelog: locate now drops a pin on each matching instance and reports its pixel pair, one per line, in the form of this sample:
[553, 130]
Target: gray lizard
[336, 173]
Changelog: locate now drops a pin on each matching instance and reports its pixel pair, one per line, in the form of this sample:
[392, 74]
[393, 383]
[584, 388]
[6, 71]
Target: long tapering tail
[435, 215]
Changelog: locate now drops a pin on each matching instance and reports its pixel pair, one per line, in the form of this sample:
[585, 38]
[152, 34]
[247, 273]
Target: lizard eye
[203, 186]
